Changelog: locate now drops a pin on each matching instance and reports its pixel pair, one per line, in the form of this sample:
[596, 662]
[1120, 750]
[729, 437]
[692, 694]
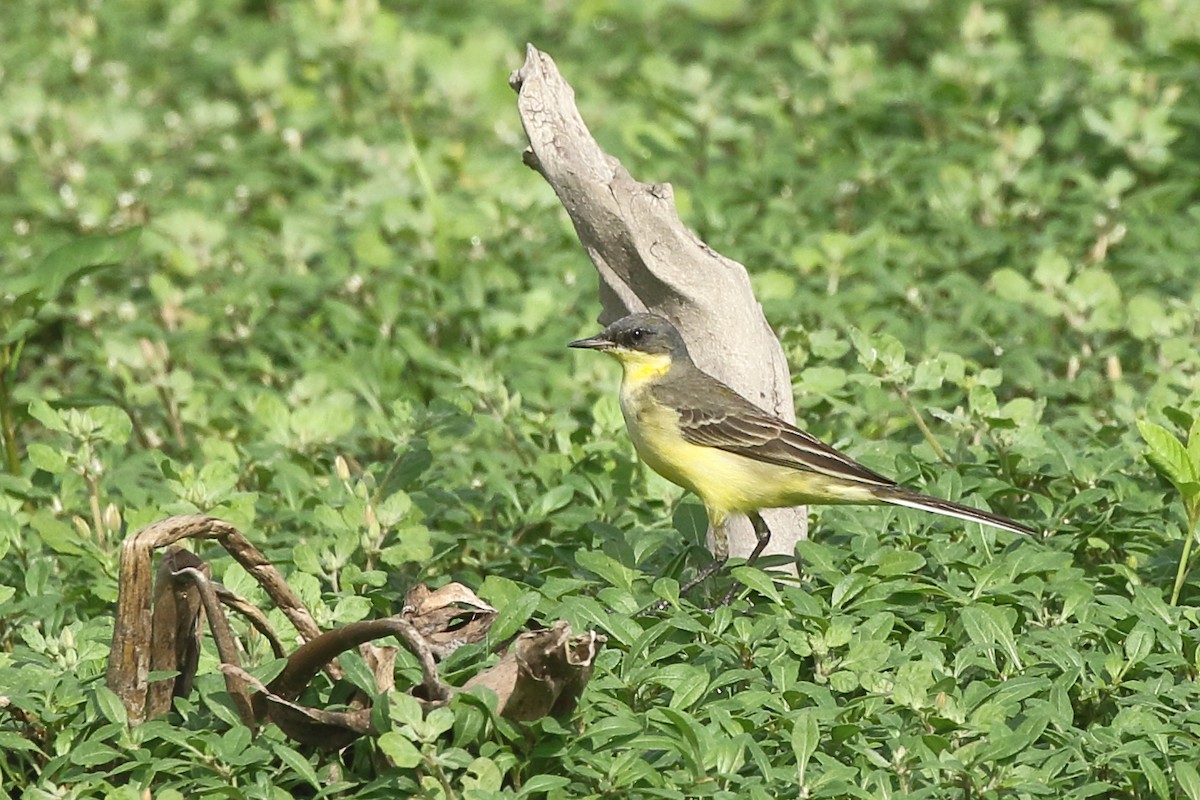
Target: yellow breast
[726, 482]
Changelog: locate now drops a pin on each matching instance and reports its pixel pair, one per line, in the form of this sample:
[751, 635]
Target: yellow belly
[726, 482]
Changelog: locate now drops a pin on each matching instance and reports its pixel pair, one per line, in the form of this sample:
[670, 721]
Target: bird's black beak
[597, 342]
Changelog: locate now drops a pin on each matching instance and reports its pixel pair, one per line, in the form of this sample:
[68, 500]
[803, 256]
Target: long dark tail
[900, 496]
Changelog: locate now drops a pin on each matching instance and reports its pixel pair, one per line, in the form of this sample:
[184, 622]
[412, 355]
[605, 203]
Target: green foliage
[333, 312]
[1180, 465]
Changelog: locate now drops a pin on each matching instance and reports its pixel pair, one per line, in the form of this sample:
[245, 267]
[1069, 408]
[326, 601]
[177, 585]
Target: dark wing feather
[714, 415]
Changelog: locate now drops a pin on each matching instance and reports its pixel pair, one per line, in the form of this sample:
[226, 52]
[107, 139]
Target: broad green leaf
[110, 705]
[15, 743]
[987, 627]
[483, 775]
[1193, 444]
[759, 581]
[1179, 417]
[299, 764]
[892, 562]
[1188, 778]
[543, 784]
[1155, 777]
[1167, 454]
[403, 753]
[1138, 643]
[92, 753]
[76, 259]
[499, 591]
[112, 424]
[687, 744]
[1007, 745]
[511, 617]
[805, 738]
[404, 709]
[551, 501]
[45, 282]
[607, 567]
[351, 608]
[412, 545]
[686, 682]
[393, 509]
[51, 418]
[46, 458]
[848, 588]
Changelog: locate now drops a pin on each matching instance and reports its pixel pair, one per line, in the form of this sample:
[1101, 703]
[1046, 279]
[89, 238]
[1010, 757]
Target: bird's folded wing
[755, 434]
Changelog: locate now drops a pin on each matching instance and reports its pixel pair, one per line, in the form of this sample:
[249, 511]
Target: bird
[702, 435]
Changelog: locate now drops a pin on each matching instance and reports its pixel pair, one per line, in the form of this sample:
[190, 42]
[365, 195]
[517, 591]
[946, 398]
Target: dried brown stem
[223, 635]
[129, 662]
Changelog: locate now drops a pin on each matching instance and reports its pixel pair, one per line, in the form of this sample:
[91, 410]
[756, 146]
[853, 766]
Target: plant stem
[8, 427]
[93, 485]
[1186, 556]
[928, 434]
[172, 409]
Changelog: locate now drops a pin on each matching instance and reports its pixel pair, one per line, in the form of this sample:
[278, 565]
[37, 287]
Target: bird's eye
[637, 333]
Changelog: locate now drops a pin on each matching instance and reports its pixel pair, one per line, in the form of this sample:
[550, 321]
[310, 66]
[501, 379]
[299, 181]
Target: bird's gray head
[649, 334]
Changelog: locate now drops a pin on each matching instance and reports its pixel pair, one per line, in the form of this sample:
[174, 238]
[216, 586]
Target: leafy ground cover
[326, 246]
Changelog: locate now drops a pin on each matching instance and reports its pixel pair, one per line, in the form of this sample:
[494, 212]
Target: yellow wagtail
[702, 435]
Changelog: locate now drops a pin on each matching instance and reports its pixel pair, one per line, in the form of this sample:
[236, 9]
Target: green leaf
[91, 753]
[1007, 745]
[543, 784]
[112, 424]
[51, 418]
[607, 567]
[892, 562]
[298, 763]
[1167, 455]
[551, 501]
[46, 458]
[1179, 417]
[351, 608]
[1138, 643]
[413, 545]
[403, 753]
[687, 683]
[110, 705]
[1154, 776]
[687, 743]
[1193, 444]
[78, 258]
[758, 581]
[42, 284]
[986, 626]
[1188, 779]
[805, 738]
[512, 617]
[483, 775]
[848, 588]
[404, 709]
[15, 743]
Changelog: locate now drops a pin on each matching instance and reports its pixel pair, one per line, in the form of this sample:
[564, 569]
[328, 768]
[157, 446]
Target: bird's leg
[763, 533]
[764, 536]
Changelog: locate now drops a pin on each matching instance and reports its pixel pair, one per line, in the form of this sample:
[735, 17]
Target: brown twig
[226, 646]
[129, 662]
[311, 656]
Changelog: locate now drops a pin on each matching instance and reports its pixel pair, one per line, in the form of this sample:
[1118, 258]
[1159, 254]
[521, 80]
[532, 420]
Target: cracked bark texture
[648, 260]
